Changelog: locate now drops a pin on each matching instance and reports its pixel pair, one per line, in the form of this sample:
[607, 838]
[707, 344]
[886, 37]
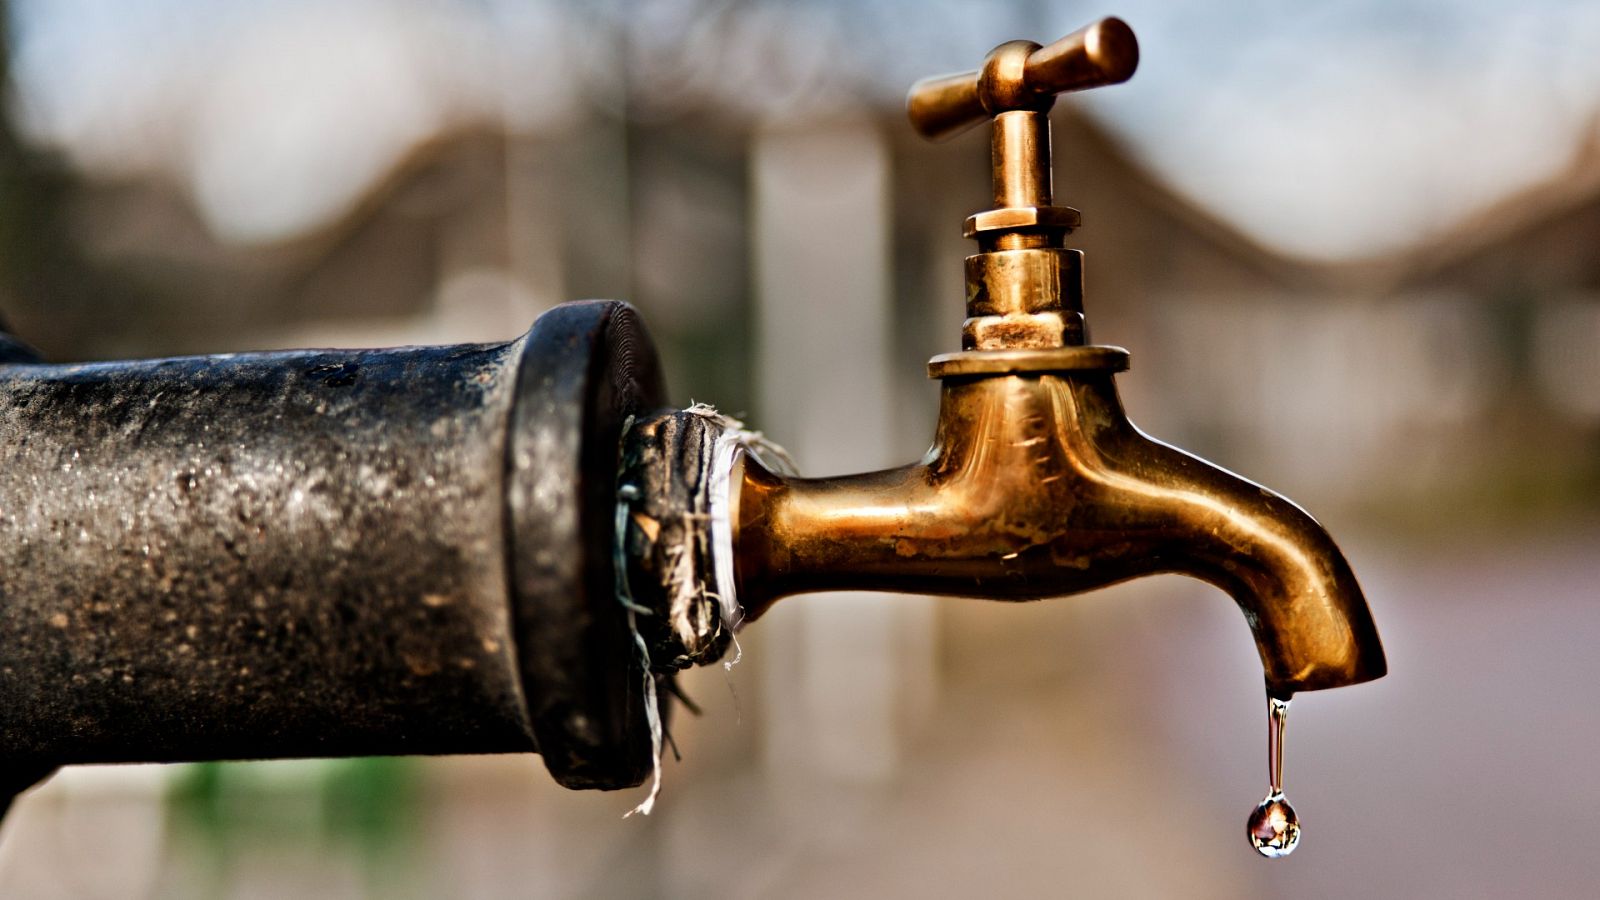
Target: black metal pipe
[324, 553]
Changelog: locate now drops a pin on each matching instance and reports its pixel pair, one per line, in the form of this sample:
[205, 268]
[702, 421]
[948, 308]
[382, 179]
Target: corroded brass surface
[1031, 298]
[1039, 486]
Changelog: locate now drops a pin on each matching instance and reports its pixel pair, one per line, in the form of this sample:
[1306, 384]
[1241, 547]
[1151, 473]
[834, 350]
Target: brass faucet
[1037, 485]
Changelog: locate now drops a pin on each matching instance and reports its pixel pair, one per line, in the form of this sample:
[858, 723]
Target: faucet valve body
[1024, 289]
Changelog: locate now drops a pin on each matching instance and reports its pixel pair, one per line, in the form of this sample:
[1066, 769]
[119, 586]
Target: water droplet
[1274, 828]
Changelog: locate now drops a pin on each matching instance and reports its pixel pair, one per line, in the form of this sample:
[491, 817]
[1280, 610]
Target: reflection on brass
[999, 362]
[1037, 484]
[1011, 218]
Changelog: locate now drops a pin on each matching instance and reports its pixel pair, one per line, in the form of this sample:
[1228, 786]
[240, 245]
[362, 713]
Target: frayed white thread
[652, 709]
[723, 454]
[684, 587]
[727, 678]
[733, 439]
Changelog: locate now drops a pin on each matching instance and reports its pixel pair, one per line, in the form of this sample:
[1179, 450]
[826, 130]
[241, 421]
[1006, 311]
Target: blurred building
[1297, 372]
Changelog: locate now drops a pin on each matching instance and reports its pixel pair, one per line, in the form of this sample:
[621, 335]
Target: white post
[836, 667]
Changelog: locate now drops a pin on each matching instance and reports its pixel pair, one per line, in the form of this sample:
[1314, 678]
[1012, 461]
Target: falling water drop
[1274, 828]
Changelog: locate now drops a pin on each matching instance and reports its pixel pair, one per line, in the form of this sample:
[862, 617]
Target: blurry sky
[1331, 128]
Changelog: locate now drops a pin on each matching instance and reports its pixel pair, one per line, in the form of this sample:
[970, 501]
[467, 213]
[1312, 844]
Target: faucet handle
[1024, 75]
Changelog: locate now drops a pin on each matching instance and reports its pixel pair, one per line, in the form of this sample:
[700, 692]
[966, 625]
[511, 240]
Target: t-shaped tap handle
[1024, 75]
[1024, 289]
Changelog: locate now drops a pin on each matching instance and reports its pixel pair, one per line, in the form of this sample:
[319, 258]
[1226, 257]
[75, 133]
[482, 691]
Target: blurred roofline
[1575, 187]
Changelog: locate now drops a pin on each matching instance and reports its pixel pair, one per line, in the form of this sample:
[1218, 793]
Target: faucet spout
[1038, 486]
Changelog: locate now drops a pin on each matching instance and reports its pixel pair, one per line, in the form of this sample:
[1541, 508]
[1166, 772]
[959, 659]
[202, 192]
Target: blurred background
[1354, 248]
